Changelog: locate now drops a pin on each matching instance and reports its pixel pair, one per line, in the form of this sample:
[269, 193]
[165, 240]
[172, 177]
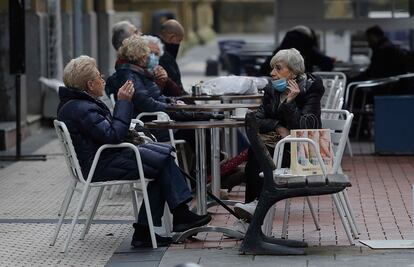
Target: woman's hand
[126, 91]
[160, 73]
[180, 102]
[282, 131]
[293, 88]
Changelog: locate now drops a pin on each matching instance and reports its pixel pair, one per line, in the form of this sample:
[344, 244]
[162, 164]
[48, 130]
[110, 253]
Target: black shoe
[190, 221]
[142, 238]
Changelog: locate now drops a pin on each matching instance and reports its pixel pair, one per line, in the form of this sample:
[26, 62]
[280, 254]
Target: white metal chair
[174, 142]
[87, 184]
[333, 82]
[339, 122]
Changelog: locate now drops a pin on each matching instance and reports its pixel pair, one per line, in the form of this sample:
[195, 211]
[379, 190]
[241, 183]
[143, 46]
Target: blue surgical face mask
[152, 61]
[279, 85]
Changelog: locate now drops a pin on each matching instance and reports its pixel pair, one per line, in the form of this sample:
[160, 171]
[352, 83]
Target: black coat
[91, 125]
[169, 63]
[386, 60]
[147, 95]
[303, 112]
[307, 48]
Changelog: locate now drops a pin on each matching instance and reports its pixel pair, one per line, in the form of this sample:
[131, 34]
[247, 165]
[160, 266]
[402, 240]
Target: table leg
[215, 162]
[201, 171]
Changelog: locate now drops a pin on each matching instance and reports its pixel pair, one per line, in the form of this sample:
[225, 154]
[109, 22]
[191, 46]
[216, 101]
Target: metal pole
[18, 117]
[77, 27]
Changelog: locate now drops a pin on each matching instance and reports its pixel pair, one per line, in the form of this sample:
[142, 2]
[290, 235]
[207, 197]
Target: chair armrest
[110, 146]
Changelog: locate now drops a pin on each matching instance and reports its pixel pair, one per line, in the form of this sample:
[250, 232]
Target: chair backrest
[333, 82]
[259, 148]
[339, 121]
[68, 150]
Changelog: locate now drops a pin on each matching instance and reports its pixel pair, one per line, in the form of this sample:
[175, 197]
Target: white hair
[292, 58]
[120, 31]
[154, 40]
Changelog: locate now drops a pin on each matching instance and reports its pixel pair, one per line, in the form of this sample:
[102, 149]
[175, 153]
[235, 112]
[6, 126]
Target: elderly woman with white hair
[91, 125]
[166, 84]
[291, 101]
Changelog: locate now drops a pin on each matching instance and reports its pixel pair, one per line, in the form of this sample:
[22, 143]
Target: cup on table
[163, 117]
[240, 112]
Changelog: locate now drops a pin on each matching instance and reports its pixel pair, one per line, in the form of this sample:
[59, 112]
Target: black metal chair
[276, 188]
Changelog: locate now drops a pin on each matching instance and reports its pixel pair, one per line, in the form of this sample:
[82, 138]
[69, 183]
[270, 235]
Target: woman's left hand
[180, 102]
[293, 88]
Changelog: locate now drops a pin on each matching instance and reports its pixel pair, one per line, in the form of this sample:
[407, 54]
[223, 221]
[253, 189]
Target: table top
[213, 107]
[227, 123]
[221, 97]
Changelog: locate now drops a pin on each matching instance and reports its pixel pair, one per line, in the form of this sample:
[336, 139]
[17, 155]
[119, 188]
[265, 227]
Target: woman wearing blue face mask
[166, 84]
[291, 101]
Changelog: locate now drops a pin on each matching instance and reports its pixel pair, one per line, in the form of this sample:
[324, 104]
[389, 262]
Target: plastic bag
[226, 85]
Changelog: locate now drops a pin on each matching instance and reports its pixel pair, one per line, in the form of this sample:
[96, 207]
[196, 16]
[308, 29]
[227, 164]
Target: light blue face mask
[152, 61]
[279, 85]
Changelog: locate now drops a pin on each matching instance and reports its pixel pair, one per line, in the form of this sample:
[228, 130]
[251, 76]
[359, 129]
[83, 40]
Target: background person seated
[91, 125]
[304, 40]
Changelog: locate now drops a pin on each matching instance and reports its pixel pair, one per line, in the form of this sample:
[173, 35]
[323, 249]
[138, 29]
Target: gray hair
[155, 40]
[79, 71]
[292, 58]
[121, 31]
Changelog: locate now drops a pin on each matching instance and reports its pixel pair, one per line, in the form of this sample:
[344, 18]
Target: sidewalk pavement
[31, 194]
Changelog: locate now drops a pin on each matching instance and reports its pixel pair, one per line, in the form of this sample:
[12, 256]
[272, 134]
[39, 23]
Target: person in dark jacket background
[91, 125]
[171, 34]
[291, 101]
[386, 60]
[304, 40]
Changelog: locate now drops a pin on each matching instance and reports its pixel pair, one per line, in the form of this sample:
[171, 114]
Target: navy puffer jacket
[91, 125]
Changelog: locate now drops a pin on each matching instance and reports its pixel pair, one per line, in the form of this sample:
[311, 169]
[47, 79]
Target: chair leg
[92, 214]
[268, 221]
[348, 145]
[63, 210]
[149, 214]
[359, 125]
[134, 201]
[76, 216]
[314, 217]
[166, 220]
[351, 211]
[112, 191]
[343, 220]
[285, 218]
[348, 215]
[83, 203]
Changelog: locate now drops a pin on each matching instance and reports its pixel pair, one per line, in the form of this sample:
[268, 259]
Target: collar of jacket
[134, 68]
[66, 94]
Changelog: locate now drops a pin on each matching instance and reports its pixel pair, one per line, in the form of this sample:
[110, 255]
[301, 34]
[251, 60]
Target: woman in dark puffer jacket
[91, 125]
[291, 101]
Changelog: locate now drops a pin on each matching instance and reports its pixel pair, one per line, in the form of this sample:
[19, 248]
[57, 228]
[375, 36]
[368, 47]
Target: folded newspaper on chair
[303, 157]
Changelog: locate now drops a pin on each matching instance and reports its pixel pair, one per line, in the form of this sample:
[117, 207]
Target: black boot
[142, 237]
[184, 219]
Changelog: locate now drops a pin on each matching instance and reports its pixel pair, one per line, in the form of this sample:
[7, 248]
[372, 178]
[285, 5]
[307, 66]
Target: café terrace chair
[366, 87]
[276, 188]
[77, 179]
[334, 83]
[339, 122]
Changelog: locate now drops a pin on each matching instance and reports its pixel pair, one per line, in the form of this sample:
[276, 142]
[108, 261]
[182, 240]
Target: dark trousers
[254, 183]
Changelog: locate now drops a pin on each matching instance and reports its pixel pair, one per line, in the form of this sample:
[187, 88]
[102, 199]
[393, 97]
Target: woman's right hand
[126, 91]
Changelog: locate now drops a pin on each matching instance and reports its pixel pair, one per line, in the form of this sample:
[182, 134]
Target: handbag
[304, 159]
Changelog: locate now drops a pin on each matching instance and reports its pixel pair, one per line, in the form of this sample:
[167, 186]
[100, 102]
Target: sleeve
[324, 62]
[307, 117]
[264, 114]
[144, 101]
[103, 131]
